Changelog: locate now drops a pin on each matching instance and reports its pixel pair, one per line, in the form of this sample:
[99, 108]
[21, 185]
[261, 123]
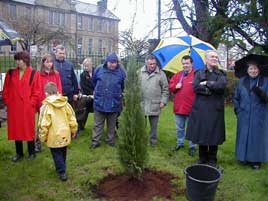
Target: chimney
[102, 4]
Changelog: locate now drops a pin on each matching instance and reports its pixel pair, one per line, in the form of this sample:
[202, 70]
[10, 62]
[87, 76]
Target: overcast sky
[146, 17]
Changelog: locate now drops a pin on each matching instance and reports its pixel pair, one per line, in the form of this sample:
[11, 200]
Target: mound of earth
[124, 188]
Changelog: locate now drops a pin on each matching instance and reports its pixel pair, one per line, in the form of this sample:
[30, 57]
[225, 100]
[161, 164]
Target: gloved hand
[257, 91]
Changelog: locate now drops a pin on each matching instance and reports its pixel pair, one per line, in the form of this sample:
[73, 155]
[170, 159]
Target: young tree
[132, 142]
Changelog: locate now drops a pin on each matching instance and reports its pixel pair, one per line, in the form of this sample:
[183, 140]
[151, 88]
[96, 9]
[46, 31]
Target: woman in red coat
[20, 94]
[47, 74]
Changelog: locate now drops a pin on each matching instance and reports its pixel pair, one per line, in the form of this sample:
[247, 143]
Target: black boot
[19, 151]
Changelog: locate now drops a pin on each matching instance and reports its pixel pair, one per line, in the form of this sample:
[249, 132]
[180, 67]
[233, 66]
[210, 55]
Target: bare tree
[36, 32]
[132, 45]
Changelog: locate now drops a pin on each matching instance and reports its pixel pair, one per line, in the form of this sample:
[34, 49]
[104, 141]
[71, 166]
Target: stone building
[82, 27]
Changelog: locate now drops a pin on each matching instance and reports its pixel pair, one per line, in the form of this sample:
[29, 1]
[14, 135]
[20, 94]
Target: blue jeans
[181, 121]
[59, 157]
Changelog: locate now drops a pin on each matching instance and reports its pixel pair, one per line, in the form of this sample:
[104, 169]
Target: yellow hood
[57, 101]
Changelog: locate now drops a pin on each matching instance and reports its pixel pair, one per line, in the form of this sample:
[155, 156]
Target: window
[104, 26]
[79, 22]
[62, 19]
[109, 27]
[90, 24]
[27, 11]
[12, 11]
[100, 46]
[79, 46]
[90, 46]
[50, 17]
[99, 26]
[56, 18]
[110, 46]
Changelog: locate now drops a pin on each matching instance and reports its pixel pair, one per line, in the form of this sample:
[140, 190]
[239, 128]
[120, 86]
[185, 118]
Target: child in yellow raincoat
[57, 124]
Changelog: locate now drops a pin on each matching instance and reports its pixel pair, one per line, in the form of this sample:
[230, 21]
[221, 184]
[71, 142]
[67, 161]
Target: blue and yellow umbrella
[170, 51]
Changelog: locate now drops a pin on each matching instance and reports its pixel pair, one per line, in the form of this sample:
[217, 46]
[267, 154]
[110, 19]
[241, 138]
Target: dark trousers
[83, 119]
[208, 154]
[19, 147]
[59, 157]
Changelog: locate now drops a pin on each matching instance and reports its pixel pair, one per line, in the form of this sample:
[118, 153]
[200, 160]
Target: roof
[91, 9]
[32, 2]
[83, 8]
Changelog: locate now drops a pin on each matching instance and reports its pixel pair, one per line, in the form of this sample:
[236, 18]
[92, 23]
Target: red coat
[21, 98]
[44, 79]
[184, 97]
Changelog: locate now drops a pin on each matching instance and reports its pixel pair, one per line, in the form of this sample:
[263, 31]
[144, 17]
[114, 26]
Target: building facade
[82, 28]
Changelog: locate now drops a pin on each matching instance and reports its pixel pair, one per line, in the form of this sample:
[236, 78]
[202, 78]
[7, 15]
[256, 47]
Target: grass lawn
[37, 181]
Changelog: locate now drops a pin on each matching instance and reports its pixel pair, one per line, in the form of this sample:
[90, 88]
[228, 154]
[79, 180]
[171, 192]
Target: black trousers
[19, 147]
[208, 154]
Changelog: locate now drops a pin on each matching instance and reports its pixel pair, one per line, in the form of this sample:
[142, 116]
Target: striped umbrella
[170, 51]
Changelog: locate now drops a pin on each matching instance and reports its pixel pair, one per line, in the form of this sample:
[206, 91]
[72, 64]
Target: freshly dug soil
[124, 188]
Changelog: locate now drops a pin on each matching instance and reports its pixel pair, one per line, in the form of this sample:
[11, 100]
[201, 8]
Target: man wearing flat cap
[108, 81]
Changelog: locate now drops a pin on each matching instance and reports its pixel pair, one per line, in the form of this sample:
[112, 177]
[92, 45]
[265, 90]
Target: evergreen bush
[132, 137]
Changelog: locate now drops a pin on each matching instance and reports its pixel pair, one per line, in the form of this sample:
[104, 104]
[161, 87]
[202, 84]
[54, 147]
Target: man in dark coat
[108, 81]
[68, 79]
[206, 122]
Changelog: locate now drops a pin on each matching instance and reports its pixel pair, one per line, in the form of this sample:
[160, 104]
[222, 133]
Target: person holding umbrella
[206, 125]
[181, 85]
[250, 106]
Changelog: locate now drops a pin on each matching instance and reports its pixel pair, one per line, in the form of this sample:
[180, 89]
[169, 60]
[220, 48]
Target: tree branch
[181, 18]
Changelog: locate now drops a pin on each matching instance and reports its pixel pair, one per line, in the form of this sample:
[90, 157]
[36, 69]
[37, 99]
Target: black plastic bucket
[201, 182]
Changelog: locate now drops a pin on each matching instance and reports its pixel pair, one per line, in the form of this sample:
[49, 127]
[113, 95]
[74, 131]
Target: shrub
[132, 137]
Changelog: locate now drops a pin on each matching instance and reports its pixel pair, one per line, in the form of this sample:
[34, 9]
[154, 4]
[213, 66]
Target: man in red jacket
[181, 85]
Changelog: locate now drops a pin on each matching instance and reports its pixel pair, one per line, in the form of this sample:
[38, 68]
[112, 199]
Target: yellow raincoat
[56, 121]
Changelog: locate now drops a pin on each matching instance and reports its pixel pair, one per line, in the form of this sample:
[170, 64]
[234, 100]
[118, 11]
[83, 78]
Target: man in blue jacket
[68, 78]
[108, 81]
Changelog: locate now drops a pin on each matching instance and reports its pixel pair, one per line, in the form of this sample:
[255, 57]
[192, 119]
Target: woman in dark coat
[206, 122]
[250, 104]
[85, 103]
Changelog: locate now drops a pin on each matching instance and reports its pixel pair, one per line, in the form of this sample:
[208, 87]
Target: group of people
[63, 105]
[51, 92]
[198, 106]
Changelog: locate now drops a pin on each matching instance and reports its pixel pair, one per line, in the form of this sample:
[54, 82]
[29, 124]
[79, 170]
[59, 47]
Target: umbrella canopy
[241, 65]
[170, 51]
[8, 34]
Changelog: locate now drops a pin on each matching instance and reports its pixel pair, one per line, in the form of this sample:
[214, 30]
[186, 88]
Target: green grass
[37, 180]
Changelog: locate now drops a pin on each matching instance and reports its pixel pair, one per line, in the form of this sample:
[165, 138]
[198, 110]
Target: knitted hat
[112, 58]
